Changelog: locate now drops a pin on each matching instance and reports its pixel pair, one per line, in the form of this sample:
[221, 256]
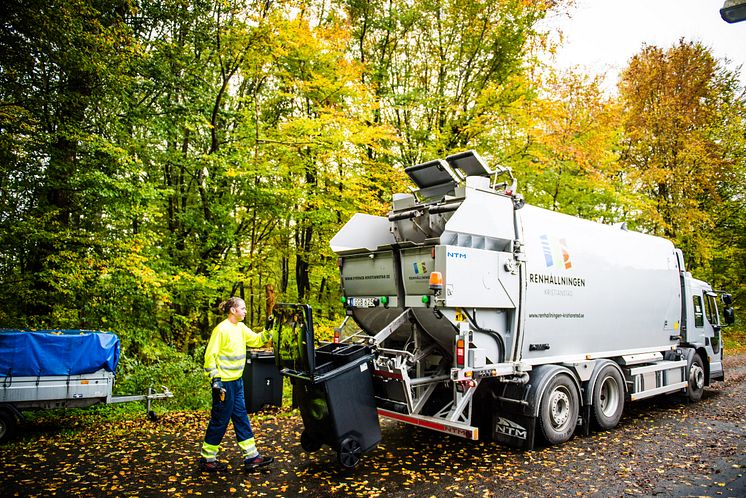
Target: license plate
[362, 302]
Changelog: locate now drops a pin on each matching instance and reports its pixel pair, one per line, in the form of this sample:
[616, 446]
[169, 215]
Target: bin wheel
[308, 443]
[152, 416]
[349, 452]
[8, 425]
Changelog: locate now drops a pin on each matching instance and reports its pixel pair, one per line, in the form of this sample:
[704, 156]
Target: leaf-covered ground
[662, 447]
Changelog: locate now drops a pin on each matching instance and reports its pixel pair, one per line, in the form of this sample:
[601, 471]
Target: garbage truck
[490, 318]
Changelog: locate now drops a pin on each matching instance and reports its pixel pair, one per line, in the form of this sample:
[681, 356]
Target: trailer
[493, 319]
[49, 369]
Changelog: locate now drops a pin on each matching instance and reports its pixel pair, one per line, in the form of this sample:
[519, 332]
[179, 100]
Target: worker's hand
[270, 322]
[267, 337]
[217, 388]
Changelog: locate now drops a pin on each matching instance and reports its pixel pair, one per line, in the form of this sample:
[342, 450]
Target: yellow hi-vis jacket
[225, 356]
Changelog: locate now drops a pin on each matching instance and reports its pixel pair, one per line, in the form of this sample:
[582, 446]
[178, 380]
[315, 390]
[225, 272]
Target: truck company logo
[510, 428]
[456, 255]
[536, 278]
[556, 254]
[419, 268]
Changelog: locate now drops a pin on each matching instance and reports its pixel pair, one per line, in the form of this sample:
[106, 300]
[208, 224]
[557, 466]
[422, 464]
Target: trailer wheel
[696, 386]
[558, 410]
[309, 443]
[8, 425]
[349, 452]
[608, 398]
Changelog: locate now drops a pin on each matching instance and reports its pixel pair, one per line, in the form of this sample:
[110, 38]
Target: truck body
[492, 318]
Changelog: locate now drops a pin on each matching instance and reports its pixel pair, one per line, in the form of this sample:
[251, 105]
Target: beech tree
[683, 144]
[443, 73]
[567, 159]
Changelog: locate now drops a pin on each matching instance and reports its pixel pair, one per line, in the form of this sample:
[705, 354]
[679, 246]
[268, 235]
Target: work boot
[213, 466]
[251, 464]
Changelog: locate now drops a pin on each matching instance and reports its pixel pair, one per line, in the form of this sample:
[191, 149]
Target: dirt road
[662, 447]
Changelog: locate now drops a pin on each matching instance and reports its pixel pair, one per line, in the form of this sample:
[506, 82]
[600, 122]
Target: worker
[225, 358]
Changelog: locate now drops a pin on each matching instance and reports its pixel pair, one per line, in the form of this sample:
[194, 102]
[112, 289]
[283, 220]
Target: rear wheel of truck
[8, 425]
[558, 410]
[696, 386]
[608, 398]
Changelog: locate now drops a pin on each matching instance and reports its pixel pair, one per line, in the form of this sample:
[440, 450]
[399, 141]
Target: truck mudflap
[514, 429]
[512, 415]
[434, 423]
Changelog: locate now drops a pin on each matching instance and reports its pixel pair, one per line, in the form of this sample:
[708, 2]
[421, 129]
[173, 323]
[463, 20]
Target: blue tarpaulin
[57, 352]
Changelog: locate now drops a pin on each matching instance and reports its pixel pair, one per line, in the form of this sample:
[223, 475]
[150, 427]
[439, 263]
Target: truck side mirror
[727, 299]
[729, 315]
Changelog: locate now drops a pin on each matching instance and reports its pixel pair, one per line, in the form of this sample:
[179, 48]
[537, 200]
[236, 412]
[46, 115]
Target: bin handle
[237, 286]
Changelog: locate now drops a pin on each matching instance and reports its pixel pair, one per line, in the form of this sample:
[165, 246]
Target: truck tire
[558, 409]
[696, 386]
[8, 425]
[608, 398]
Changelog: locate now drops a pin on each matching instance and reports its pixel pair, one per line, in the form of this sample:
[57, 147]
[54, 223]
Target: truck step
[661, 377]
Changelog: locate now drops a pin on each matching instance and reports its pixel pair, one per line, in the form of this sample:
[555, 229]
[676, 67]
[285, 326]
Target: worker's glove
[218, 389]
[270, 322]
[265, 336]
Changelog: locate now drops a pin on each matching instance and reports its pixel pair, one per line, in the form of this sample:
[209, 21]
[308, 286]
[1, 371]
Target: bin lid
[292, 337]
[260, 354]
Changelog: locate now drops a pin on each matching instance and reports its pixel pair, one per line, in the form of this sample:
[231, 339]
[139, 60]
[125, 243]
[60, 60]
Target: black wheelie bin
[333, 386]
[262, 382]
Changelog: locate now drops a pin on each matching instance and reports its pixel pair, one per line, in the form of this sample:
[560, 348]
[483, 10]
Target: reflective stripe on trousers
[232, 408]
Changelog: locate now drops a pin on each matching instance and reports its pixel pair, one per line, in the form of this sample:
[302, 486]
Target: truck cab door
[713, 338]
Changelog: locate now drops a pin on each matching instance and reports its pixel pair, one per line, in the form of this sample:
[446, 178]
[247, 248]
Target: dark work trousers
[232, 408]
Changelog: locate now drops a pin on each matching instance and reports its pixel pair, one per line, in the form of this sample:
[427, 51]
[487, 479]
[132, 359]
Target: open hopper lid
[469, 163]
[434, 178]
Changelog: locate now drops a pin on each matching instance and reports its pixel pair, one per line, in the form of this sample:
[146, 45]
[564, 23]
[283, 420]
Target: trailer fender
[538, 381]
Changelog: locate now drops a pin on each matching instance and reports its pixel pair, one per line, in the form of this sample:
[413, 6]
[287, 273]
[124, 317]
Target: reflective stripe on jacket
[225, 356]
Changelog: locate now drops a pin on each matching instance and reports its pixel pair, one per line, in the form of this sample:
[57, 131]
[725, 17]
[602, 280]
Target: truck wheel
[8, 425]
[608, 398]
[696, 386]
[558, 410]
[308, 443]
[349, 452]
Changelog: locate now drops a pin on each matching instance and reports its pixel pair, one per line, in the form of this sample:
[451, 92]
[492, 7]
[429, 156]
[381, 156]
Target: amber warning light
[436, 281]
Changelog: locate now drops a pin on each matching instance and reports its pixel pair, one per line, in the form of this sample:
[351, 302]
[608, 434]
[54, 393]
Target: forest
[153, 153]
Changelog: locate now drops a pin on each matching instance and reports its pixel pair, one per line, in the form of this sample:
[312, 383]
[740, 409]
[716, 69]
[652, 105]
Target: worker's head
[234, 306]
